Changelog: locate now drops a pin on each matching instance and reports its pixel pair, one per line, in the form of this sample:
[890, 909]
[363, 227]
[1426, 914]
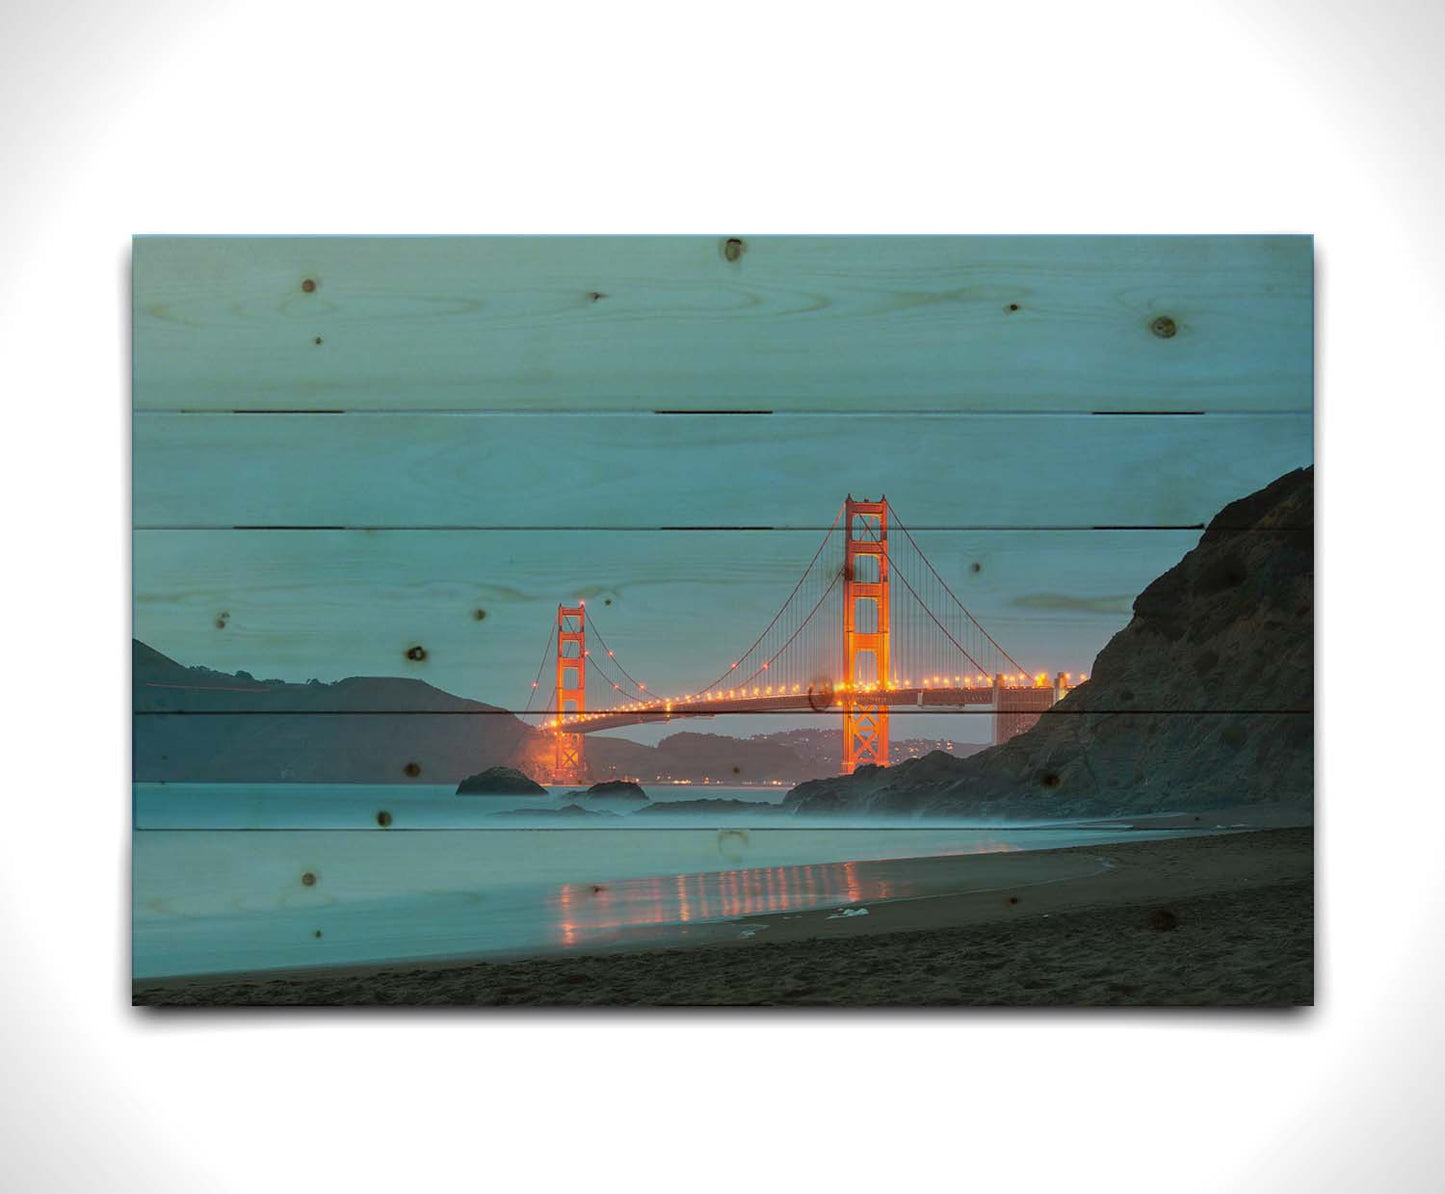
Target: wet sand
[1207, 920]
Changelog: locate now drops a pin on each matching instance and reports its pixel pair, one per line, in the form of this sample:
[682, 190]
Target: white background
[1318, 117]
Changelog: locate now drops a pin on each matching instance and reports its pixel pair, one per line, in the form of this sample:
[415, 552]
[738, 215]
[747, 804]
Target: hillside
[1204, 700]
[200, 726]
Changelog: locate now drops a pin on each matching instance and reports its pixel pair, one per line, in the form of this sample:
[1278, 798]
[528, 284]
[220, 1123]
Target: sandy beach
[1208, 920]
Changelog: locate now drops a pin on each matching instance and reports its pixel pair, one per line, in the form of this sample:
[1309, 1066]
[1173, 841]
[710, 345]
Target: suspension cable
[828, 534]
[595, 661]
[899, 522]
[546, 654]
[923, 605]
[758, 671]
[603, 643]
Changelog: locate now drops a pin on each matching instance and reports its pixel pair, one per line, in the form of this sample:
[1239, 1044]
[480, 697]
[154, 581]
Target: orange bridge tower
[865, 634]
[569, 766]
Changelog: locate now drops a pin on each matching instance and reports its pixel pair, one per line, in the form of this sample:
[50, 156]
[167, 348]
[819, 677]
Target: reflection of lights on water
[683, 907]
[590, 911]
[566, 898]
[586, 908]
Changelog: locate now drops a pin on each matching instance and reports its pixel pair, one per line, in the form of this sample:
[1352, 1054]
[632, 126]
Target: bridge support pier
[1019, 708]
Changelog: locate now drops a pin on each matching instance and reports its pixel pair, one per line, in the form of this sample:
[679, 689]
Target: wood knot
[308, 879]
[383, 818]
[308, 284]
[416, 654]
[1163, 327]
[733, 248]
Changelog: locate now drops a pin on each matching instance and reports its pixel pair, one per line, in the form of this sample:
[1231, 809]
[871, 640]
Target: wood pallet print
[723, 620]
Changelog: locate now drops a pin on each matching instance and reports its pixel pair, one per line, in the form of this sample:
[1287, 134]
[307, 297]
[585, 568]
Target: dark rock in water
[613, 793]
[1230, 627]
[617, 787]
[567, 810]
[500, 781]
[720, 805]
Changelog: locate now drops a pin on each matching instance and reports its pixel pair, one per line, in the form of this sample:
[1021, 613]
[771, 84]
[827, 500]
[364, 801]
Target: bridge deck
[824, 701]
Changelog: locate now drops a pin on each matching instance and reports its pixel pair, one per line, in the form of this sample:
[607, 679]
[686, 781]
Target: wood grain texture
[643, 470]
[790, 324]
[329, 604]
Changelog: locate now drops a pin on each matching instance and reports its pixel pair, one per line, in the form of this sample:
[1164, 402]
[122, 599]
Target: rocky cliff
[1204, 700]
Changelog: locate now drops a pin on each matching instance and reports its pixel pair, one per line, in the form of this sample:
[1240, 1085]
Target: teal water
[409, 806]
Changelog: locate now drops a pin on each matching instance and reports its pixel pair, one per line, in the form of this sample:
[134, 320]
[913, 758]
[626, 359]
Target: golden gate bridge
[870, 627]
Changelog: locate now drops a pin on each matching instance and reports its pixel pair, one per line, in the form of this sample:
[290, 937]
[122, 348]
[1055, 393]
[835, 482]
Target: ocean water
[320, 882]
[408, 806]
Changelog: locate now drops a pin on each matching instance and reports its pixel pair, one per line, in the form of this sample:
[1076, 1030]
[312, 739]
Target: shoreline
[1228, 917]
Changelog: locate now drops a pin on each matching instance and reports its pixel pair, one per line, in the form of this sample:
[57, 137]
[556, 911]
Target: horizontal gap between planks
[831, 711]
[810, 820]
[891, 412]
[1060, 528]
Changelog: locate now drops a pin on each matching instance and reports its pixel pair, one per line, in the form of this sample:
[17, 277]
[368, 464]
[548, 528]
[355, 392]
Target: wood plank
[1056, 323]
[390, 799]
[297, 605]
[449, 470]
[207, 901]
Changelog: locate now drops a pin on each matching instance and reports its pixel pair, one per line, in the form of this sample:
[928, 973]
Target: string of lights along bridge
[869, 628]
